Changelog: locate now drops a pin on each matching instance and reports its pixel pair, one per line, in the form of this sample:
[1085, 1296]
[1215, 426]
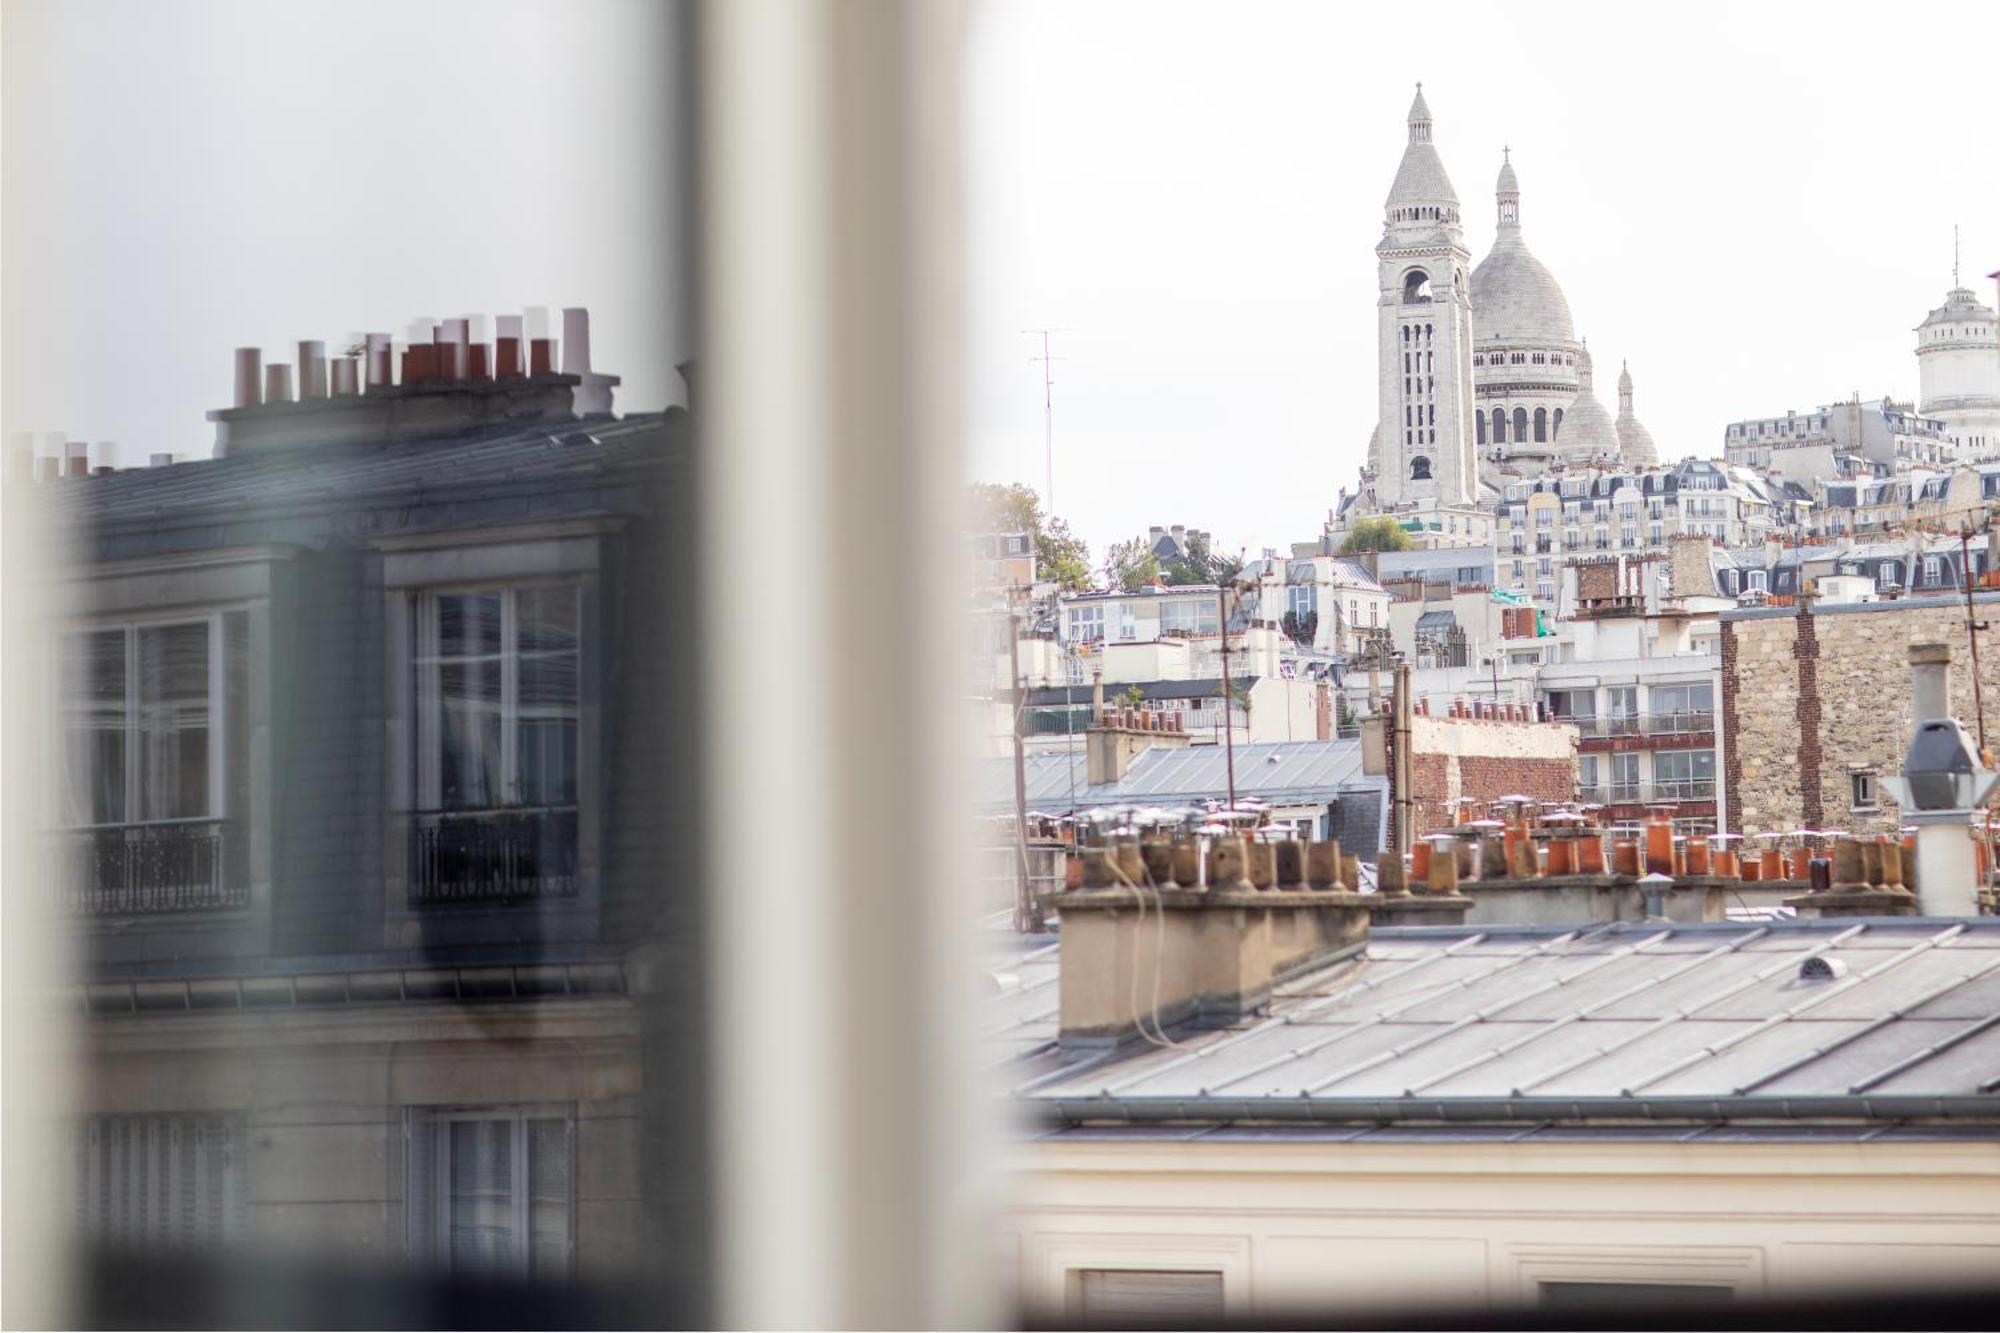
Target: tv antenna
[1048, 415]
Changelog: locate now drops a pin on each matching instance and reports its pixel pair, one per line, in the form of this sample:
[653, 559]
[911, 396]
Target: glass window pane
[173, 721]
[479, 1206]
[93, 683]
[468, 624]
[546, 618]
[548, 1198]
[469, 735]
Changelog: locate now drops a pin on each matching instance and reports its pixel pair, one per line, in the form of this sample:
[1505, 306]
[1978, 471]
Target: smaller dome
[1587, 430]
[1509, 183]
[1635, 442]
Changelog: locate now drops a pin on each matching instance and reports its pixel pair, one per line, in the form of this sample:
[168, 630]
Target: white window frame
[218, 749]
[428, 776]
[1078, 620]
[436, 1210]
[1740, 1268]
[1863, 792]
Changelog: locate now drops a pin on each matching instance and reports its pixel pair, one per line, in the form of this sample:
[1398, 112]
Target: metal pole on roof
[1025, 918]
[1972, 629]
[1228, 697]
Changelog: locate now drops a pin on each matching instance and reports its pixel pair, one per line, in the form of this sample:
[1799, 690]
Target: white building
[1423, 445]
[1481, 376]
[1958, 366]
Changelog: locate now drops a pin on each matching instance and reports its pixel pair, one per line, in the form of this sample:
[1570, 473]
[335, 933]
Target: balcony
[1617, 793]
[1618, 724]
[1679, 724]
[493, 856]
[1682, 789]
[183, 865]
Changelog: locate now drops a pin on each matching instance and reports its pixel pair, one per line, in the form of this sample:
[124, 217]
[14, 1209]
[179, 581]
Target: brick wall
[1808, 699]
[1454, 758]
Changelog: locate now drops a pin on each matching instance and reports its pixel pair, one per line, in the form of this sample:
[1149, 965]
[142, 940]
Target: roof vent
[1817, 969]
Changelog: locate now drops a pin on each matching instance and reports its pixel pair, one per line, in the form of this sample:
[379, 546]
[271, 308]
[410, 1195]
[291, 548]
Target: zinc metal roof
[1711, 1022]
[333, 474]
[1276, 772]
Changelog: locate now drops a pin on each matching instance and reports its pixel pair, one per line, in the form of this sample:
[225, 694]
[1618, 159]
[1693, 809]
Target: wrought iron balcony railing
[493, 856]
[181, 865]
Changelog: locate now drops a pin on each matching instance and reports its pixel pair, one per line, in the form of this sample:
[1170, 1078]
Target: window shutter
[158, 1180]
[1119, 1297]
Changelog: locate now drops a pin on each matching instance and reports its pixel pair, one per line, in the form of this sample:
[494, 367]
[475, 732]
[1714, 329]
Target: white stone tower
[1423, 449]
[1958, 367]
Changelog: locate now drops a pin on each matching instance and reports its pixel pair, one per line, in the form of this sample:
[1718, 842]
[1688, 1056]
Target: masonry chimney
[1206, 950]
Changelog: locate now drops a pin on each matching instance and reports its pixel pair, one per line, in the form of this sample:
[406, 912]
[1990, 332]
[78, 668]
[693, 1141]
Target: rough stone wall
[1760, 692]
[1688, 571]
[1803, 711]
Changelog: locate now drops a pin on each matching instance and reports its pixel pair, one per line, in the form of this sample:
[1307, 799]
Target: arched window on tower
[1499, 426]
[1420, 468]
[1559, 421]
[1416, 287]
[1541, 425]
[1520, 423]
[1479, 420]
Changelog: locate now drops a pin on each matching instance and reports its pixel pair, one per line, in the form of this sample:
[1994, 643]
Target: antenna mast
[1048, 417]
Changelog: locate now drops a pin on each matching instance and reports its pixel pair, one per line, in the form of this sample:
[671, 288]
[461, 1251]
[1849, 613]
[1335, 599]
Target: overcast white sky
[1752, 203]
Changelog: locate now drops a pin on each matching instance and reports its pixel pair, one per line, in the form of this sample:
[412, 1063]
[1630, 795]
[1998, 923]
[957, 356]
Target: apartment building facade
[364, 730]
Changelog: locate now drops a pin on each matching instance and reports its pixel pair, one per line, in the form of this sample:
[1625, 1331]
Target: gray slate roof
[1639, 1025]
[525, 455]
[1276, 772]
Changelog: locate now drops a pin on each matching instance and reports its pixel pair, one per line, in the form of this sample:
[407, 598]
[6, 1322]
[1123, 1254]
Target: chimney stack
[346, 377]
[76, 459]
[510, 351]
[249, 377]
[312, 370]
[1207, 949]
[576, 341]
[277, 384]
[160, 460]
[381, 366]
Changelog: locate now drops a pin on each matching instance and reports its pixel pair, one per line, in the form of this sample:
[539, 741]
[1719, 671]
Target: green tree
[1380, 533]
[1061, 557]
[1201, 564]
[1131, 565]
[1132, 697]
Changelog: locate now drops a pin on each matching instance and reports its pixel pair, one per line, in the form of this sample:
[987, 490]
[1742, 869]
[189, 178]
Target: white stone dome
[1587, 430]
[1635, 442]
[1515, 299]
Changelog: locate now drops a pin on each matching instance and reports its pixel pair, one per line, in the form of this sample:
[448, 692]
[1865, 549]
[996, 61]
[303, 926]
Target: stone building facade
[378, 935]
[1816, 706]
